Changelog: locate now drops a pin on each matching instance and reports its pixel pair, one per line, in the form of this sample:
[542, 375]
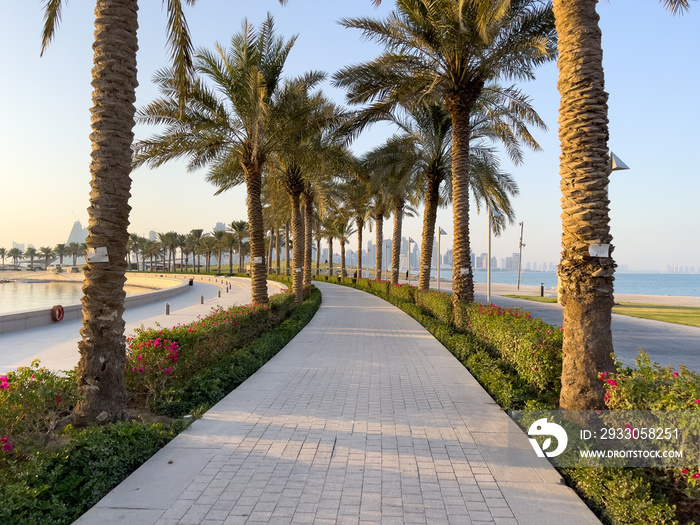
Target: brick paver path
[363, 418]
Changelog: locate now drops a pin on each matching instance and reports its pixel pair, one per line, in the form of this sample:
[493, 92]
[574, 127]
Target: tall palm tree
[232, 127]
[15, 254]
[355, 193]
[220, 236]
[451, 48]
[342, 227]
[585, 282]
[61, 251]
[3, 254]
[103, 346]
[75, 249]
[47, 253]
[392, 167]
[239, 229]
[30, 252]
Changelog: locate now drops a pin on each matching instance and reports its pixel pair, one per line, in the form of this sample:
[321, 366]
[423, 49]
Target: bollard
[201, 299]
[167, 309]
[219, 293]
[541, 289]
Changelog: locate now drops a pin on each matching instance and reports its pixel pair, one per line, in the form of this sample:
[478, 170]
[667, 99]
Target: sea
[17, 296]
[675, 284]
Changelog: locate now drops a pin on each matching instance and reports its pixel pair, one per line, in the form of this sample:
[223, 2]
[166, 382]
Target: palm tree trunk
[297, 249]
[286, 248]
[330, 255]
[253, 181]
[360, 225]
[342, 258]
[585, 282]
[396, 243]
[268, 263]
[379, 241]
[278, 256]
[428, 238]
[459, 106]
[102, 347]
[308, 235]
[318, 256]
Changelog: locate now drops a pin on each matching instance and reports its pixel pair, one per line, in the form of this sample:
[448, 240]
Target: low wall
[163, 288]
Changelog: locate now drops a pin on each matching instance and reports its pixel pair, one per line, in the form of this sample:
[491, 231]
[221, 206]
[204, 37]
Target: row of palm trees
[229, 110]
[45, 253]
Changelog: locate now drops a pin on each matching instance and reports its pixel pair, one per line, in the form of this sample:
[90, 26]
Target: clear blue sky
[652, 75]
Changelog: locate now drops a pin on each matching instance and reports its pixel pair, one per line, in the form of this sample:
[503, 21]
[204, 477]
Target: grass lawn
[686, 315]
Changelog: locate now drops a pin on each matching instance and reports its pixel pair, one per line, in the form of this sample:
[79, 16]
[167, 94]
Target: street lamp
[441, 232]
[493, 214]
[408, 273]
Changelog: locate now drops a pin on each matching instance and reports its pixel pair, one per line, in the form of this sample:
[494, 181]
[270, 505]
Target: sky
[652, 73]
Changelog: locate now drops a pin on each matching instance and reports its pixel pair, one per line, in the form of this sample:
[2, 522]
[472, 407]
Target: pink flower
[7, 447]
[138, 358]
[675, 374]
[684, 471]
[602, 375]
[697, 400]
[695, 476]
[58, 399]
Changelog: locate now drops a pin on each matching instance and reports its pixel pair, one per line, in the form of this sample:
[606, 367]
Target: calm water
[16, 296]
[625, 283]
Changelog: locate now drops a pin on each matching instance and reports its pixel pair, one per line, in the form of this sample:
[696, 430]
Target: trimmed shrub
[437, 304]
[405, 292]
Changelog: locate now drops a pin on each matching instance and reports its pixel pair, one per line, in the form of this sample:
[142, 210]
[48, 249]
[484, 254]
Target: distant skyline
[652, 75]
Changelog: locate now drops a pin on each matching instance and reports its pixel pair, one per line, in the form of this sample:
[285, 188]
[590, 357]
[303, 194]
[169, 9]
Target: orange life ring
[57, 313]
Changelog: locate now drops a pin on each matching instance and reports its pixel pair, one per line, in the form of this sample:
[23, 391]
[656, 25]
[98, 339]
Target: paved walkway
[362, 418]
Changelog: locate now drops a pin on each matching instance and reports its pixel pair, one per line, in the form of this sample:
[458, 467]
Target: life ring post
[57, 313]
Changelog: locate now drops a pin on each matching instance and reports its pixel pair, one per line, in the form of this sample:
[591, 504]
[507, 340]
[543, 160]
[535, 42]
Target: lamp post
[408, 273]
[520, 256]
[492, 215]
[441, 232]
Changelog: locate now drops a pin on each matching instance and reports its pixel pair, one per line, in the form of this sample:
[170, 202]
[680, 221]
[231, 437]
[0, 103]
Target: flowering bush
[158, 356]
[652, 387]
[530, 345]
[33, 401]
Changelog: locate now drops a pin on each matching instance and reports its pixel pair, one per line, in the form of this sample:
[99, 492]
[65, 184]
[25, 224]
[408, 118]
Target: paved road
[667, 344]
[362, 418]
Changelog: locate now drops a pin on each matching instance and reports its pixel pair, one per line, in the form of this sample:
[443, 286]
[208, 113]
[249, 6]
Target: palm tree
[195, 238]
[355, 193]
[398, 182]
[15, 254]
[239, 229]
[219, 236]
[61, 251]
[47, 253]
[102, 348]
[3, 254]
[585, 282]
[31, 253]
[75, 249]
[232, 127]
[451, 48]
[343, 231]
